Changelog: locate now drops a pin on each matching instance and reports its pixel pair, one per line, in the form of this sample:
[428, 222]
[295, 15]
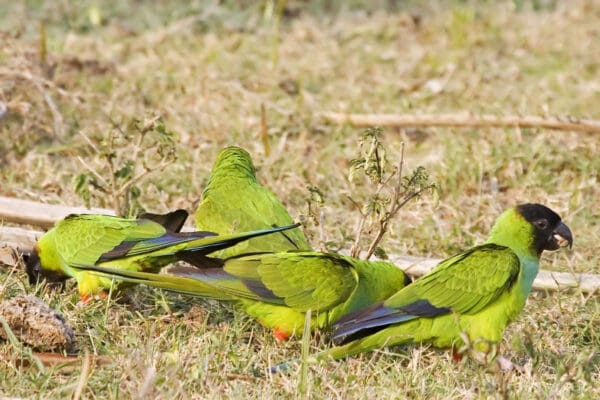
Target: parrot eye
[541, 224]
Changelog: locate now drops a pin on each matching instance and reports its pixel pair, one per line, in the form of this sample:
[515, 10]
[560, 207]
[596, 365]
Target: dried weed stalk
[125, 158]
[391, 192]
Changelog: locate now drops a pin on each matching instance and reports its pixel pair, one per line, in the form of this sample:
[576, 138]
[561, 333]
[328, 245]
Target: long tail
[209, 281]
[172, 283]
[220, 242]
[173, 242]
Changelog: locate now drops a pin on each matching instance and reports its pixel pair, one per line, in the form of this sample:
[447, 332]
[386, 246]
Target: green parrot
[233, 201]
[131, 244]
[468, 299]
[278, 288]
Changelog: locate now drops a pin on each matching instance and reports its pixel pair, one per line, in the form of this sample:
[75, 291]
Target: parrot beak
[561, 237]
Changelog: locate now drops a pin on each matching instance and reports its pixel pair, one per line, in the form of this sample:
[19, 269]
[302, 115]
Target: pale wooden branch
[27, 212]
[464, 120]
[3, 109]
[19, 238]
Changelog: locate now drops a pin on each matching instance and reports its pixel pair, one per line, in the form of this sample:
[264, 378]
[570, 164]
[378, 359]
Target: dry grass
[207, 68]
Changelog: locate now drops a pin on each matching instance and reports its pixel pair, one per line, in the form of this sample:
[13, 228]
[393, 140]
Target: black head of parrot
[33, 266]
[35, 272]
[550, 233]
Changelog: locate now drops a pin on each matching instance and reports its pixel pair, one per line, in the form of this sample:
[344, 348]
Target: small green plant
[387, 190]
[125, 157]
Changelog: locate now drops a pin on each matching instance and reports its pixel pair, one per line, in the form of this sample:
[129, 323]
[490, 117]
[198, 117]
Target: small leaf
[376, 205]
[126, 171]
[82, 187]
[135, 192]
[355, 166]
[380, 253]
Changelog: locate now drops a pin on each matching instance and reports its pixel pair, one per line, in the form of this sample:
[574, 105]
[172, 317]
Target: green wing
[464, 284]
[90, 239]
[83, 239]
[233, 201]
[299, 280]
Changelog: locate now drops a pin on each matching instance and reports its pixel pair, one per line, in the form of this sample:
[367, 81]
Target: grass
[208, 77]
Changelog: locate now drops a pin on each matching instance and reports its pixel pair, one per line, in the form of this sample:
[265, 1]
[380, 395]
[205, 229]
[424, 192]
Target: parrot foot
[457, 356]
[281, 335]
[85, 299]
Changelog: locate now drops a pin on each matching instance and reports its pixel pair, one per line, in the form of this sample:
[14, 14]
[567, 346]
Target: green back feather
[465, 283]
[233, 201]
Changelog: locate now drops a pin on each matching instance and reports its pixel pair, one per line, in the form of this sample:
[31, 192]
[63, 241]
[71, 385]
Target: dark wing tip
[172, 221]
[377, 317]
[407, 279]
[350, 326]
[199, 260]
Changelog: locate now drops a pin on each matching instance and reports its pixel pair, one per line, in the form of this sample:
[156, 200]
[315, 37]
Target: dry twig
[465, 120]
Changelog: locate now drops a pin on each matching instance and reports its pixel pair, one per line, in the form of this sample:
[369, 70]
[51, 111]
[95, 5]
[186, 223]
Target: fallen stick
[63, 364]
[28, 212]
[19, 238]
[464, 120]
